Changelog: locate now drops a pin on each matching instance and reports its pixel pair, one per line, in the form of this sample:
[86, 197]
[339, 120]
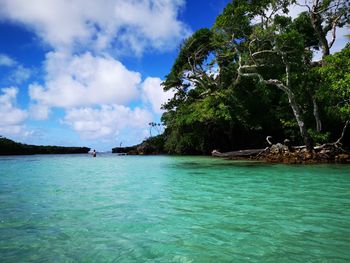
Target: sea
[75, 208]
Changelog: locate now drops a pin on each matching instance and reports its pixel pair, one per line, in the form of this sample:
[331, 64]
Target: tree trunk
[316, 115]
[300, 120]
[286, 88]
[325, 47]
[322, 36]
[296, 108]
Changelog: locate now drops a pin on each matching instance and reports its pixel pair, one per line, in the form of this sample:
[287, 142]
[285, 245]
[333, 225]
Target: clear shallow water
[171, 209]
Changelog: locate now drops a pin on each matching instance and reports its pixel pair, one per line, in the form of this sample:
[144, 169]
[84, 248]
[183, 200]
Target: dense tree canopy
[253, 75]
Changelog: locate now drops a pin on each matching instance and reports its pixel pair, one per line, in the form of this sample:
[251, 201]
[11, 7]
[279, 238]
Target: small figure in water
[94, 153]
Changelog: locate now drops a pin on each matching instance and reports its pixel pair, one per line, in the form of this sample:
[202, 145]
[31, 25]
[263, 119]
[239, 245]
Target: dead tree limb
[343, 133]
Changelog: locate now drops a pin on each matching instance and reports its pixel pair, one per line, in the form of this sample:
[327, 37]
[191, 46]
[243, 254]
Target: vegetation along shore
[259, 72]
[9, 147]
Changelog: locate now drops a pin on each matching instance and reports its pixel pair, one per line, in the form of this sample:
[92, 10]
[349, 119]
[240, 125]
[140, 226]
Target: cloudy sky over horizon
[87, 72]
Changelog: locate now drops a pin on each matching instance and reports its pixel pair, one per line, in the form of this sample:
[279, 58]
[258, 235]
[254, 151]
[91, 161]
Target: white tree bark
[286, 88]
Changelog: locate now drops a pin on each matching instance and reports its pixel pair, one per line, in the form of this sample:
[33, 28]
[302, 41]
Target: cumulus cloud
[39, 111]
[7, 61]
[153, 93]
[81, 83]
[133, 24]
[150, 23]
[17, 72]
[106, 121]
[11, 117]
[80, 76]
[20, 75]
[83, 80]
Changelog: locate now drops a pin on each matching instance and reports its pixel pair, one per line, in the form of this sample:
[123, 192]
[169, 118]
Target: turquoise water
[171, 209]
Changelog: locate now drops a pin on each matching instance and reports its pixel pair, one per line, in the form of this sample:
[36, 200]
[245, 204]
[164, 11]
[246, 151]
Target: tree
[326, 16]
[272, 46]
[191, 67]
[228, 79]
[335, 85]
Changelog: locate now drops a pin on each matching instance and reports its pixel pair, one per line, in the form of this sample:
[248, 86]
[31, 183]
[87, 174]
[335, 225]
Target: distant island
[10, 147]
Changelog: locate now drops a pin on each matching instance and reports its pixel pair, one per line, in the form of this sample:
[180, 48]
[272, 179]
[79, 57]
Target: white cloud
[9, 114]
[20, 75]
[83, 80]
[81, 83]
[106, 121]
[39, 111]
[79, 75]
[7, 61]
[153, 93]
[150, 23]
[65, 24]
[11, 117]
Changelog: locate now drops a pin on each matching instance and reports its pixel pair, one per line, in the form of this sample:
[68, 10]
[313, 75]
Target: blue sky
[88, 72]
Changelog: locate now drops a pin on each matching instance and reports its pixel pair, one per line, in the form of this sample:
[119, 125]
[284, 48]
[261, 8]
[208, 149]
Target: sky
[88, 72]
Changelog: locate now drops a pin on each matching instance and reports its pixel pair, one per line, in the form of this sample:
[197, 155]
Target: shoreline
[279, 153]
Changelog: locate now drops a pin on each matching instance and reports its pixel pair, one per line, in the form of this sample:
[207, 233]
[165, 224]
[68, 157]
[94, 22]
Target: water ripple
[171, 209]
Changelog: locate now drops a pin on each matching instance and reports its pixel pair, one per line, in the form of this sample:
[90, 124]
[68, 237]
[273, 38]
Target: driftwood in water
[241, 153]
[285, 153]
[279, 153]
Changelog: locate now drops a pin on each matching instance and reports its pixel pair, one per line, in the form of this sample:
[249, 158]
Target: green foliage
[193, 52]
[335, 87]
[9, 147]
[303, 25]
[216, 111]
[319, 137]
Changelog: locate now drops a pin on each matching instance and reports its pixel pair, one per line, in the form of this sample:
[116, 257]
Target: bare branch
[334, 29]
[304, 5]
[263, 52]
[241, 73]
[341, 102]
[336, 5]
[255, 66]
[250, 51]
[279, 84]
[343, 133]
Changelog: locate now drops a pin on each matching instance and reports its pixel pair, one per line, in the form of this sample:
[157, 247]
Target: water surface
[74, 208]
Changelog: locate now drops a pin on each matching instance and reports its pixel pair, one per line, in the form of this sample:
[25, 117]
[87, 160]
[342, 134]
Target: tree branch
[263, 52]
[343, 133]
[334, 29]
[304, 5]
